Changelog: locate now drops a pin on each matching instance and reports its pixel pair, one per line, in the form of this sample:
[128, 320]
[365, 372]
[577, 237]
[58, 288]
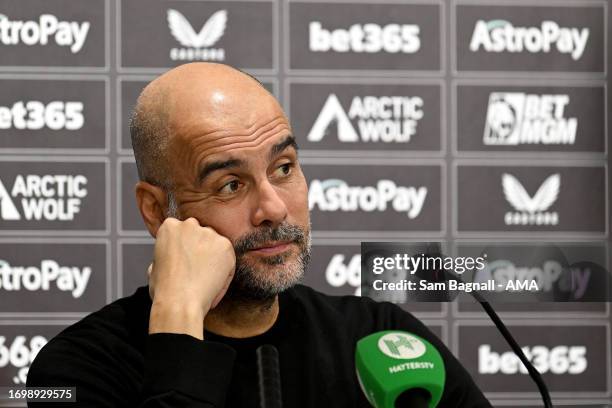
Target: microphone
[397, 369]
[268, 372]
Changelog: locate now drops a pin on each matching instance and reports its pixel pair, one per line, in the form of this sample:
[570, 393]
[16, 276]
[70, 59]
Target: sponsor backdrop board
[554, 118]
[465, 122]
[54, 195]
[36, 275]
[531, 198]
[356, 36]
[365, 119]
[562, 354]
[376, 199]
[20, 342]
[54, 115]
[196, 31]
[521, 37]
[57, 35]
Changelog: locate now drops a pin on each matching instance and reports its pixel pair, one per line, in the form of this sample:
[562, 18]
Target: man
[222, 192]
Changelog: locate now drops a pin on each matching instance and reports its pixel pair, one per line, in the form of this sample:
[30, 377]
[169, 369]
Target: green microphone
[398, 369]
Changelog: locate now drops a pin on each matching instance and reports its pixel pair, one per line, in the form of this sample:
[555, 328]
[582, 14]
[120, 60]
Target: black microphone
[435, 251]
[268, 372]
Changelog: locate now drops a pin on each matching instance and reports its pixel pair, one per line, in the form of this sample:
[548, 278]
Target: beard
[261, 278]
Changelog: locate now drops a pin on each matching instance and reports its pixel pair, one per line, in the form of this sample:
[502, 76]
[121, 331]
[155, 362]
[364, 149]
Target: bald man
[222, 193]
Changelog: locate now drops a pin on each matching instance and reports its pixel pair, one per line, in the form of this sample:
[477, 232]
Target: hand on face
[193, 266]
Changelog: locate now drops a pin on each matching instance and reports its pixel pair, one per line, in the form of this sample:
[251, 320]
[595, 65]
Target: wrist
[175, 317]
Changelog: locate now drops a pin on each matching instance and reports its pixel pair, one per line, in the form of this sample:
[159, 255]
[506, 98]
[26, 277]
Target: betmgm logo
[337, 195]
[384, 119]
[531, 210]
[71, 34]
[197, 46]
[401, 346]
[501, 36]
[515, 118]
[49, 197]
[365, 38]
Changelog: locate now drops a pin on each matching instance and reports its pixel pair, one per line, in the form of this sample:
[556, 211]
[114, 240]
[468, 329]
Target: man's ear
[152, 202]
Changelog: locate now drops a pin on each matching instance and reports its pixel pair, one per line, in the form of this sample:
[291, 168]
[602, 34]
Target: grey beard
[248, 284]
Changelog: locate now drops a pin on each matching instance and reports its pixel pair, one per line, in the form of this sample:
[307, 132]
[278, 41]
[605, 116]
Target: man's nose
[270, 208]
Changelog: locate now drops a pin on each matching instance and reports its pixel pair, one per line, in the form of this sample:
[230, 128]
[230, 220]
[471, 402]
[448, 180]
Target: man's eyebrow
[279, 147]
[232, 163]
[217, 165]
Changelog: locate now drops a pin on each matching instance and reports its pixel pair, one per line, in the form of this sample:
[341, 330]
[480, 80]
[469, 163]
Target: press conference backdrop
[421, 107]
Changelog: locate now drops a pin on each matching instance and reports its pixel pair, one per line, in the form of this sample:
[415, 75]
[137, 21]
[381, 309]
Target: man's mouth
[270, 248]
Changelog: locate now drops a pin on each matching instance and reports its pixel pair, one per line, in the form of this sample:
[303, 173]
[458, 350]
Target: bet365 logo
[343, 270]
[365, 38]
[556, 360]
[19, 353]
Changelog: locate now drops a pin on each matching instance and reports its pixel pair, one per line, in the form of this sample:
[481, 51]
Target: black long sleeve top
[113, 361]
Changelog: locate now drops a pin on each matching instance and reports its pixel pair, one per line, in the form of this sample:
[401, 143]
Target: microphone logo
[401, 346]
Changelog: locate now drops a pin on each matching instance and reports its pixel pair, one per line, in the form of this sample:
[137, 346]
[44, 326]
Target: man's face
[244, 181]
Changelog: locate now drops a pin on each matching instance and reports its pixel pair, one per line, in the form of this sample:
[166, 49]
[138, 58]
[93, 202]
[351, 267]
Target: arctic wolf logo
[197, 43]
[332, 112]
[531, 210]
[8, 211]
[384, 119]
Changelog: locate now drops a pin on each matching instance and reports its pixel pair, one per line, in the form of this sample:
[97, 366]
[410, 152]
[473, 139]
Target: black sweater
[113, 361]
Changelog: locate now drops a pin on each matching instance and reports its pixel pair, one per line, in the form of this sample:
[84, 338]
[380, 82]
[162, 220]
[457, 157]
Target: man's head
[211, 143]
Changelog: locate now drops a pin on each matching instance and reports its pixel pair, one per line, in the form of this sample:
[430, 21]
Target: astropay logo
[48, 28]
[502, 36]
[549, 275]
[384, 119]
[365, 38]
[531, 210]
[41, 277]
[50, 197]
[337, 195]
[515, 118]
[197, 45]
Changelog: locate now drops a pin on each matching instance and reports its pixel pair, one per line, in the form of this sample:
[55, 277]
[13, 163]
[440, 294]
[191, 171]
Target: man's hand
[192, 269]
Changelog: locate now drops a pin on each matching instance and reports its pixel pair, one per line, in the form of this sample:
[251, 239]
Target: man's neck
[239, 319]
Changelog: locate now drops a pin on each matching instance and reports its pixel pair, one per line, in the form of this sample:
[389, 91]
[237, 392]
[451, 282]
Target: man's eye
[284, 169]
[230, 187]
